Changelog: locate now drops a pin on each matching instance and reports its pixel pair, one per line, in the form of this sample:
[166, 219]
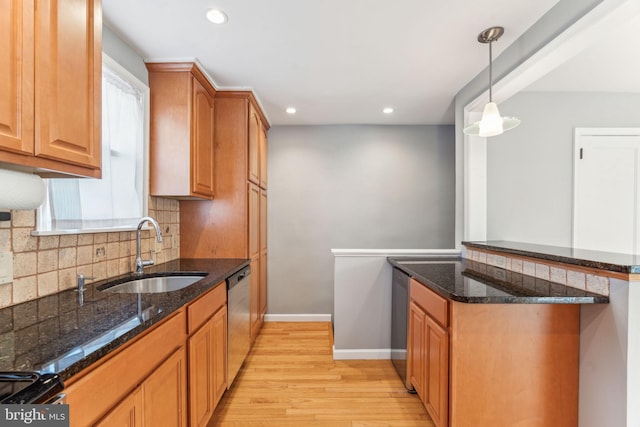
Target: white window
[119, 199]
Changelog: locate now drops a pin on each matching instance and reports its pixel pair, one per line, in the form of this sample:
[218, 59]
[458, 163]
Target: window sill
[85, 231]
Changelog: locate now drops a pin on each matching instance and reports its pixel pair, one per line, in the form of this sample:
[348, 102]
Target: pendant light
[492, 123]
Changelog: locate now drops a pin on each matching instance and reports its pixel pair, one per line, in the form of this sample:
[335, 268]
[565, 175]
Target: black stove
[29, 387]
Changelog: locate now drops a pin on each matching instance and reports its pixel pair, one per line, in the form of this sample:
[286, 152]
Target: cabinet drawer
[435, 305]
[203, 308]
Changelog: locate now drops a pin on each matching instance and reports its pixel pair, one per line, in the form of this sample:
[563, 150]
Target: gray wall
[530, 168]
[124, 54]
[365, 187]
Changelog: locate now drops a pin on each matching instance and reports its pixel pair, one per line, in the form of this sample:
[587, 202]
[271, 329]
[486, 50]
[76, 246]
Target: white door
[606, 185]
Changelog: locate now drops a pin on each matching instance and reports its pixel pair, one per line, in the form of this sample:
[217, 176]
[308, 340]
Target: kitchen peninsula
[609, 386]
[487, 346]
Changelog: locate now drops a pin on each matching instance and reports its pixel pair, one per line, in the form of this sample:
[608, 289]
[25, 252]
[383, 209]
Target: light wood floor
[290, 379]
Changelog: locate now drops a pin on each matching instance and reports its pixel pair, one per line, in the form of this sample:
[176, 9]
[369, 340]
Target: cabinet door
[254, 221]
[16, 75]
[255, 128]
[436, 396]
[254, 298]
[201, 389]
[68, 68]
[263, 285]
[128, 413]
[416, 349]
[202, 141]
[263, 152]
[219, 362]
[164, 393]
[263, 220]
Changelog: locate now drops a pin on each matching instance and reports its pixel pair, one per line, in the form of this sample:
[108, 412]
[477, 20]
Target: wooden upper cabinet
[263, 157]
[68, 69]
[50, 85]
[202, 141]
[230, 225]
[257, 148]
[16, 76]
[182, 132]
[255, 129]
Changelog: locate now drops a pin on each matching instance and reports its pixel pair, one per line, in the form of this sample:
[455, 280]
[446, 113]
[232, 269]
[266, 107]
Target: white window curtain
[116, 200]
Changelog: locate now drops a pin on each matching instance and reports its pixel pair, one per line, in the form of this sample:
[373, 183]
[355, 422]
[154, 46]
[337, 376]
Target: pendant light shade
[492, 123]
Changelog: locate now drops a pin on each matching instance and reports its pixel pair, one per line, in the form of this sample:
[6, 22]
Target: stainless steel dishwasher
[399, 320]
[238, 321]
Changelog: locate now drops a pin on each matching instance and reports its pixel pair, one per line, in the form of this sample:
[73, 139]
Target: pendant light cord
[490, 72]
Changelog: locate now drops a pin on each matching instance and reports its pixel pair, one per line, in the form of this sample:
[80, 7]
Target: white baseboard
[362, 354]
[297, 318]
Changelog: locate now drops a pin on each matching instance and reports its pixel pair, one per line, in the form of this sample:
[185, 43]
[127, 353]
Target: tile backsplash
[564, 274]
[47, 264]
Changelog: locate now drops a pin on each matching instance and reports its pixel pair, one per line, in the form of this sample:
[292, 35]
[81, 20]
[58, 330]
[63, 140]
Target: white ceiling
[336, 61]
[611, 64]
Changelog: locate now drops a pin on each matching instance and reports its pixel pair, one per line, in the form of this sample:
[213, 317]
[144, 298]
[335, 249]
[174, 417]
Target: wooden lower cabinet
[429, 363]
[128, 413]
[436, 393]
[96, 390]
[494, 365]
[173, 375]
[416, 351]
[164, 393]
[207, 368]
[160, 400]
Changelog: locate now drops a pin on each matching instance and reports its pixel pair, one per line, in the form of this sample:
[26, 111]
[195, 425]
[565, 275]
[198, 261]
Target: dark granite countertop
[467, 281]
[611, 261]
[64, 334]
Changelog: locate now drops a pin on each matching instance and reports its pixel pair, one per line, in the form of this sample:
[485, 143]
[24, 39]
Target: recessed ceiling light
[216, 16]
[290, 110]
[387, 110]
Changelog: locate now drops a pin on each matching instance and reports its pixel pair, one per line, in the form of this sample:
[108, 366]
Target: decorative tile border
[592, 280]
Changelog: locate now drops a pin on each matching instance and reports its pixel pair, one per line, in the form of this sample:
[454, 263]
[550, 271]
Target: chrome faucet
[140, 263]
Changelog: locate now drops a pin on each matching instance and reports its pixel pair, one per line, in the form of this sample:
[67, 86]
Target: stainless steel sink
[153, 285]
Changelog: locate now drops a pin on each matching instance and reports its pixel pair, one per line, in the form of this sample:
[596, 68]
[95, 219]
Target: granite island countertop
[611, 261]
[64, 333]
[467, 281]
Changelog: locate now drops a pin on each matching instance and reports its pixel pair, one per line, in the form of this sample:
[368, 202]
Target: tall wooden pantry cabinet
[234, 225]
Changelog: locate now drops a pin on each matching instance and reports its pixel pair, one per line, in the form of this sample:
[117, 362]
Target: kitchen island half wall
[362, 300]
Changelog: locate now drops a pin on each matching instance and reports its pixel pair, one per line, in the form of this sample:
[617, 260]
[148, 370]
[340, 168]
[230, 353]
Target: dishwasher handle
[237, 277]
